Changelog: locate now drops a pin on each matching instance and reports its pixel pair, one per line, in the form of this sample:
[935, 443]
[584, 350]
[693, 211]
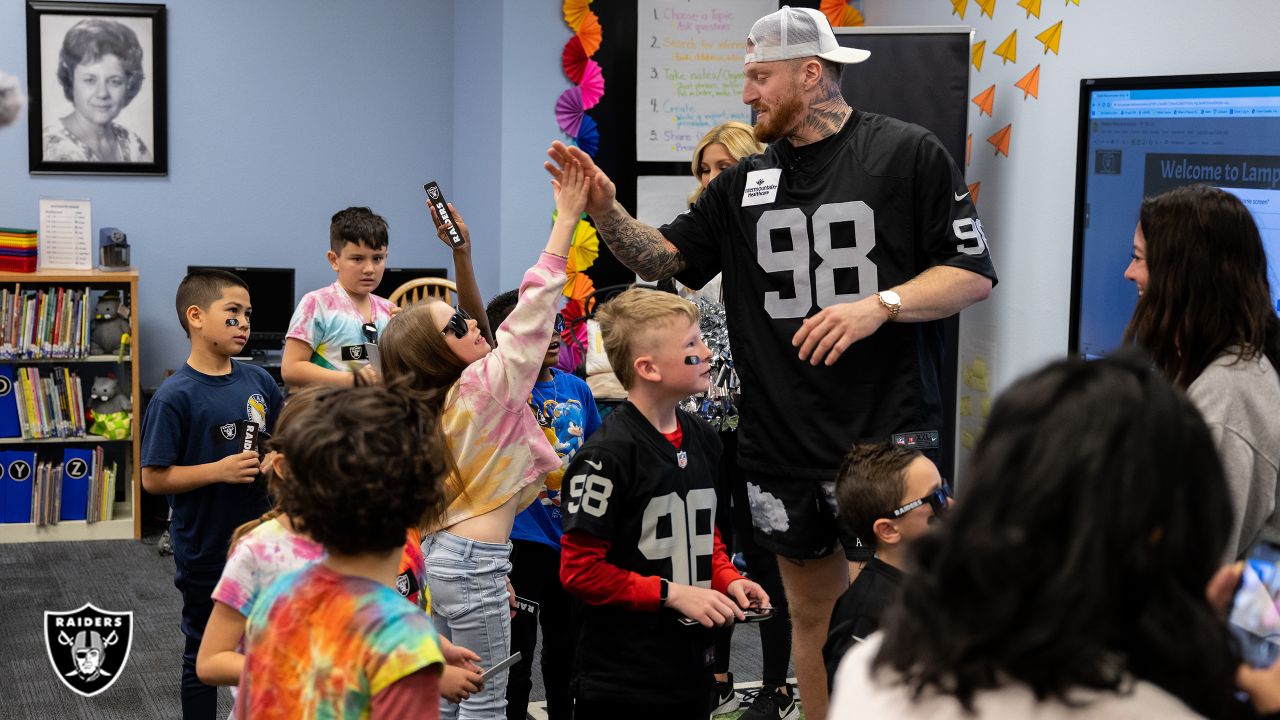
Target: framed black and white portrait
[96, 75]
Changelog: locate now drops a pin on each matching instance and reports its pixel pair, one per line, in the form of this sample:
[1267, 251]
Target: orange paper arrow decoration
[958, 7]
[985, 100]
[1031, 6]
[1051, 37]
[1001, 139]
[1030, 84]
[968, 150]
[979, 50]
[1009, 48]
[988, 7]
[973, 191]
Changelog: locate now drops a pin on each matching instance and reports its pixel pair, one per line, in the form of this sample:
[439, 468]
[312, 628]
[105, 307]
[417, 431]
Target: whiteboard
[689, 71]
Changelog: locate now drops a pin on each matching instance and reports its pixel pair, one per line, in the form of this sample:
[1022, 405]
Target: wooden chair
[420, 289]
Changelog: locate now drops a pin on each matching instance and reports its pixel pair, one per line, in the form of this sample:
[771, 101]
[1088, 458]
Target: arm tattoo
[640, 247]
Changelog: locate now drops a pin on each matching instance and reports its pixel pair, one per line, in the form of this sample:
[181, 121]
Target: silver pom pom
[719, 406]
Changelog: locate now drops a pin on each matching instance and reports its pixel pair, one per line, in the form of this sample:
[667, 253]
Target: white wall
[1026, 199]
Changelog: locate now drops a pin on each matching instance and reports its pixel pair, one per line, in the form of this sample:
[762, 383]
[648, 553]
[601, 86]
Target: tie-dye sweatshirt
[496, 442]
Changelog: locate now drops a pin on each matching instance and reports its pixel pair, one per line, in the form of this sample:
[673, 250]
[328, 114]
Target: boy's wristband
[664, 589]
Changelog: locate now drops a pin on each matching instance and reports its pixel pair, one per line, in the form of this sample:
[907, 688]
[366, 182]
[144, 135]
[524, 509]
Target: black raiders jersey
[629, 485]
[796, 230]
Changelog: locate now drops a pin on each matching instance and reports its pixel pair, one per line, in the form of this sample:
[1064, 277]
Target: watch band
[893, 308]
[664, 589]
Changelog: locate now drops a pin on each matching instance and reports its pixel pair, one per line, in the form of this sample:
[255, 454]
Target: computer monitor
[1139, 137]
[393, 278]
[271, 292]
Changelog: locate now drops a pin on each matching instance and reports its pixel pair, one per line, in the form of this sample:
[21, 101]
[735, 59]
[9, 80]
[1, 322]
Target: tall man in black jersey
[841, 246]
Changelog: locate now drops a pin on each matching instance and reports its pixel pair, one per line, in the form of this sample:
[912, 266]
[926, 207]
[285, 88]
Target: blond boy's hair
[628, 322]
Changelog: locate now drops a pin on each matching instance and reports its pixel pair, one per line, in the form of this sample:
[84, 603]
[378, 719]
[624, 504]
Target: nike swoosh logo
[961, 197]
[597, 466]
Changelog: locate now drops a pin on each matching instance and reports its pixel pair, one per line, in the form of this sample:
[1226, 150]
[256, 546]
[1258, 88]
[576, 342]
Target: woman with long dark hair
[1206, 317]
[1070, 579]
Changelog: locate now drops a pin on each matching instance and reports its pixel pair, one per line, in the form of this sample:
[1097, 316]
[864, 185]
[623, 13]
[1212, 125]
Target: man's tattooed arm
[639, 246]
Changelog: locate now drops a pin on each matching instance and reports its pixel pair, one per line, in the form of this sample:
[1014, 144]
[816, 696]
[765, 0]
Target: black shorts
[796, 518]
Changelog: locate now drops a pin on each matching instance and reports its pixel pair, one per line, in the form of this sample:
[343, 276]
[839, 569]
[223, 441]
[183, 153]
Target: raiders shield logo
[353, 352]
[407, 585]
[228, 431]
[88, 648]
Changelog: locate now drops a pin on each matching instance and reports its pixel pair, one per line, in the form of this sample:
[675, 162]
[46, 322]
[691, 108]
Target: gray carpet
[128, 575]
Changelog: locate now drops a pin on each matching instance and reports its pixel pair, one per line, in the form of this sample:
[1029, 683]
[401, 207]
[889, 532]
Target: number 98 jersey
[628, 486]
[799, 229]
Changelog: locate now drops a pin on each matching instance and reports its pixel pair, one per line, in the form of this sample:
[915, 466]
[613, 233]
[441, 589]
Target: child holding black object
[499, 453]
[566, 410]
[335, 639]
[327, 334]
[887, 495]
[639, 535]
[193, 450]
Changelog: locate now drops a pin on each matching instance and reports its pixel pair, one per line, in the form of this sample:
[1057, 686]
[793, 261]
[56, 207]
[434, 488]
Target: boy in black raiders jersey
[842, 247]
[640, 548]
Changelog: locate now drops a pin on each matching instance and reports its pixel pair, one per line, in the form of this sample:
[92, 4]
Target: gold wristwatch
[890, 301]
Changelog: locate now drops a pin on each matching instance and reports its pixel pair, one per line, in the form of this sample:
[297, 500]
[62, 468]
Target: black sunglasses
[936, 500]
[457, 324]
[559, 324]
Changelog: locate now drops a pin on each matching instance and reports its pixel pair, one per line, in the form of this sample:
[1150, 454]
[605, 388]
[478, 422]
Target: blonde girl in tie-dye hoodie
[498, 451]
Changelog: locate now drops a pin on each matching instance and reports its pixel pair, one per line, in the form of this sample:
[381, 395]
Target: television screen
[395, 277]
[1139, 137]
[271, 292]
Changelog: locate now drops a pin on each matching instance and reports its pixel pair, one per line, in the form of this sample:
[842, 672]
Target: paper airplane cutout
[1031, 6]
[988, 7]
[1001, 139]
[985, 100]
[979, 49]
[1051, 37]
[974, 187]
[959, 6]
[968, 150]
[1030, 84]
[1077, 2]
[1009, 48]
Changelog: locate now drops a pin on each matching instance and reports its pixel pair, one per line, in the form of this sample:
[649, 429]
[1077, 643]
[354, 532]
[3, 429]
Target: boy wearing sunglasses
[887, 495]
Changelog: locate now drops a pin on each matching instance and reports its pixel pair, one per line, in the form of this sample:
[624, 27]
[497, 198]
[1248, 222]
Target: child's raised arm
[468, 290]
[571, 199]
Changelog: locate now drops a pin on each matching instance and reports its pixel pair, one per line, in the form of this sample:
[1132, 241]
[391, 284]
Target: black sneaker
[769, 704]
[723, 697]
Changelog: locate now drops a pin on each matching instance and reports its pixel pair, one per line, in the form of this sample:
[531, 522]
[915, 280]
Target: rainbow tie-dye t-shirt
[320, 644]
[328, 321]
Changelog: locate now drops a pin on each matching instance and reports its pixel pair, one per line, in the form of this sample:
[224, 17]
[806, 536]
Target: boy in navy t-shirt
[193, 439]
[567, 412]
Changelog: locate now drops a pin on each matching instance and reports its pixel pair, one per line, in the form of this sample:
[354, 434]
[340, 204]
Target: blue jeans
[469, 605]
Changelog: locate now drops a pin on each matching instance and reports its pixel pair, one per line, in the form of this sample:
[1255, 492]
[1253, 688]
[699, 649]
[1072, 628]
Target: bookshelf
[126, 502]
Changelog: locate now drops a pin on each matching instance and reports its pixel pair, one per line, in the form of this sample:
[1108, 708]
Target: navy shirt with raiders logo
[799, 229]
[626, 485]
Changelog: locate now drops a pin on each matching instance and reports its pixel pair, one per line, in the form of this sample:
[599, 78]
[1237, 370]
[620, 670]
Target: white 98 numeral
[592, 492]
[684, 545]
[796, 260]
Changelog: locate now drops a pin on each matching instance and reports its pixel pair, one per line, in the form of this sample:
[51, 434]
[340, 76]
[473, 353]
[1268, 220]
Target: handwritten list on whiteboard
[689, 71]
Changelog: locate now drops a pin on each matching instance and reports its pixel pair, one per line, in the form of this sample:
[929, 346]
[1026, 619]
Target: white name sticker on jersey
[762, 187]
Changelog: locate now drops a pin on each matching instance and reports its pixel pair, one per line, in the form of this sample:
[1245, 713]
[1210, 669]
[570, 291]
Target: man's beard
[781, 119]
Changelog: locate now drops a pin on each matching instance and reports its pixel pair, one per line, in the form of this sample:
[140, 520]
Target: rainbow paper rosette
[584, 73]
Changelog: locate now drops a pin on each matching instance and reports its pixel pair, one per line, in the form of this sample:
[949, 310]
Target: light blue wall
[280, 113]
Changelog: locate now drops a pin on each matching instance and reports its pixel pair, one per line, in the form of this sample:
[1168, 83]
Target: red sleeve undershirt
[588, 576]
[413, 696]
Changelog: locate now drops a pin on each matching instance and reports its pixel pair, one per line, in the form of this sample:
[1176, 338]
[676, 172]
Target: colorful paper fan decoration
[574, 331]
[841, 14]
[569, 111]
[573, 60]
[585, 247]
[574, 12]
[589, 33]
[578, 286]
[592, 84]
[588, 137]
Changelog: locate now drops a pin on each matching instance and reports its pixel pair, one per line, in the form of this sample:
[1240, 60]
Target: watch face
[890, 297]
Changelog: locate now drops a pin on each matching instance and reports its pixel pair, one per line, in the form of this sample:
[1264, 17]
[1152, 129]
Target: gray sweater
[1240, 401]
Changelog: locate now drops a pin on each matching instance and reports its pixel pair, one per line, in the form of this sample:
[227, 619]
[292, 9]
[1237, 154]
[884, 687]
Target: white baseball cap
[797, 33]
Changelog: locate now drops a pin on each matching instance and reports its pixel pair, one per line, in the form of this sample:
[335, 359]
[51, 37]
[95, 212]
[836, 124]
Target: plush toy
[106, 396]
[110, 325]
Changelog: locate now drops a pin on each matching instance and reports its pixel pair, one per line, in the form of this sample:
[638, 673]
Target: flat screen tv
[1139, 137]
[393, 278]
[271, 292]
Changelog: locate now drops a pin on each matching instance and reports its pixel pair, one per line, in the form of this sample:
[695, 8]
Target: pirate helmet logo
[228, 431]
[357, 352]
[88, 647]
[433, 192]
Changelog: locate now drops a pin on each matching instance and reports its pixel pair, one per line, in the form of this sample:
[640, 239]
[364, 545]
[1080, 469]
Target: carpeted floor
[121, 576]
